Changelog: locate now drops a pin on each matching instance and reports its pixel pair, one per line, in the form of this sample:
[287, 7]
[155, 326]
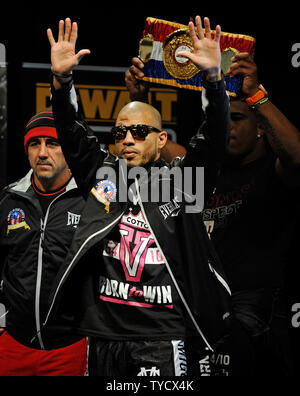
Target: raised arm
[81, 148]
[137, 88]
[215, 102]
[207, 52]
[63, 55]
[207, 149]
[282, 135]
[207, 57]
[139, 91]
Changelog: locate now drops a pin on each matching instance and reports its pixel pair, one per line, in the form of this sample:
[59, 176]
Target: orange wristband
[260, 94]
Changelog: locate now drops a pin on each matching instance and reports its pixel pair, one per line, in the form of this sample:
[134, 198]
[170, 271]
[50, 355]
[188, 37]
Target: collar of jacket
[24, 184]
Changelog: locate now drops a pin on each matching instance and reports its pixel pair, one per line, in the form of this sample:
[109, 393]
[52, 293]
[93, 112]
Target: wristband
[63, 78]
[257, 97]
[259, 103]
[215, 75]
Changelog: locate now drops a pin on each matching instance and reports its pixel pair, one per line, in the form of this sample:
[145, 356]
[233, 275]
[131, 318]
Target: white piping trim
[171, 273]
[74, 259]
[38, 286]
[40, 272]
[3, 316]
[220, 279]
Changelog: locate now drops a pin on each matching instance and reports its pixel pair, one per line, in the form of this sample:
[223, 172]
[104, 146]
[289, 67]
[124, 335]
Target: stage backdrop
[101, 94]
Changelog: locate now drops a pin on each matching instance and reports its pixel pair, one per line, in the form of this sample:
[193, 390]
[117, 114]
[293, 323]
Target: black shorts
[137, 358]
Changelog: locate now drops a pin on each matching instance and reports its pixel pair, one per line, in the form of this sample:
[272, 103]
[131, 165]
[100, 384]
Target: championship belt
[163, 40]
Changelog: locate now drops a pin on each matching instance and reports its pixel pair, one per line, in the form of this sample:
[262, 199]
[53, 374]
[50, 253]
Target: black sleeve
[80, 146]
[207, 148]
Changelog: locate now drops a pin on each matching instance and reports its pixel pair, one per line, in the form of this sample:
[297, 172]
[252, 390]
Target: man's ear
[162, 139]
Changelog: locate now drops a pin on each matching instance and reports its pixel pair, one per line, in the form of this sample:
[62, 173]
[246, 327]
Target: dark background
[112, 32]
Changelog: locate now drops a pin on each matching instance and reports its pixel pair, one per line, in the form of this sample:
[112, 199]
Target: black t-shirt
[45, 198]
[253, 215]
[137, 298]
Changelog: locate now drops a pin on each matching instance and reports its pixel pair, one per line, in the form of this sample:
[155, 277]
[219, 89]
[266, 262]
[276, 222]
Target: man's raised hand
[63, 55]
[207, 53]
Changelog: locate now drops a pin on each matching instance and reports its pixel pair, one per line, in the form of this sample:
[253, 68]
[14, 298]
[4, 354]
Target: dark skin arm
[282, 135]
[138, 88]
[139, 91]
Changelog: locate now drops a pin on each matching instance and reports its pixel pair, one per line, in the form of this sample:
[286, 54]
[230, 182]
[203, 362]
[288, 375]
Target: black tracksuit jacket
[183, 241]
[32, 250]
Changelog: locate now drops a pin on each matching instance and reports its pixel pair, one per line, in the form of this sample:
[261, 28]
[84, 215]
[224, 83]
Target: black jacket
[188, 253]
[32, 250]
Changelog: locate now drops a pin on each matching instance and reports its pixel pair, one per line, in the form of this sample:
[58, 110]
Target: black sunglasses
[139, 131]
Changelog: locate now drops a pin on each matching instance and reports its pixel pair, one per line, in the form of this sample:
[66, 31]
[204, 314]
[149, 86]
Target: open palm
[63, 54]
[207, 52]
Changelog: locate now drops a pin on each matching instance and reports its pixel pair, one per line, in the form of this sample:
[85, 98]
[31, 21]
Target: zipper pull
[42, 231]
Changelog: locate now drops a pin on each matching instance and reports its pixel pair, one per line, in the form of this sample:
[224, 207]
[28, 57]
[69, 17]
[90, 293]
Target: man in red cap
[38, 217]
[50, 170]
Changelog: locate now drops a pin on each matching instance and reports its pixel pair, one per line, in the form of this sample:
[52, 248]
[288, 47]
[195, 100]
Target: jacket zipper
[40, 273]
[74, 259]
[171, 273]
[38, 285]
[77, 254]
